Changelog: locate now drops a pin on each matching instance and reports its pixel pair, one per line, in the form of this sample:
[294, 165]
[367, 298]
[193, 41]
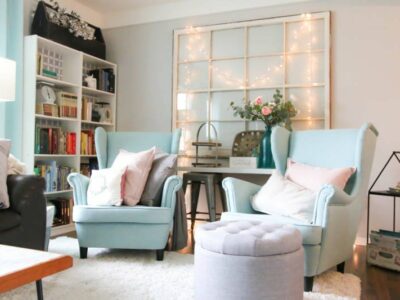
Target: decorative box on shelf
[44, 25]
[242, 162]
[384, 249]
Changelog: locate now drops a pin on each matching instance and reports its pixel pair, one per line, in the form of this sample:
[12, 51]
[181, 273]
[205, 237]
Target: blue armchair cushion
[123, 214]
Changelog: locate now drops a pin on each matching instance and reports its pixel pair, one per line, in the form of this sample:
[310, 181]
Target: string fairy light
[303, 40]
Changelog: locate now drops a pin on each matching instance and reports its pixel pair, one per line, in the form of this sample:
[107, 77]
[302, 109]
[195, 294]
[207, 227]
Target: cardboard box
[382, 257]
[243, 162]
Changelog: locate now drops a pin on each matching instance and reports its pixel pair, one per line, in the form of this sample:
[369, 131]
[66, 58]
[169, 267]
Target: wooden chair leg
[210, 193]
[83, 252]
[308, 283]
[160, 254]
[340, 267]
[194, 200]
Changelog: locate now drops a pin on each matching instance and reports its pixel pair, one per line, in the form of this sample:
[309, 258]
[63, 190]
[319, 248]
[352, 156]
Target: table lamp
[7, 79]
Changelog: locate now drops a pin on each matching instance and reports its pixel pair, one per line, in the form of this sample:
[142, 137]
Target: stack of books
[87, 108]
[105, 79]
[54, 174]
[87, 142]
[67, 104]
[53, 140]
[63, 211]
[87, 168]
[384, 249]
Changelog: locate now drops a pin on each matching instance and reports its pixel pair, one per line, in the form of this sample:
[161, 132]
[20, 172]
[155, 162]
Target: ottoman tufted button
[245, 238]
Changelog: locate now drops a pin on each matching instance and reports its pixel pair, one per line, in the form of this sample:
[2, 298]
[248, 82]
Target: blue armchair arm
[171, 186]
[238, 194]
[79, 184]
[329, 196]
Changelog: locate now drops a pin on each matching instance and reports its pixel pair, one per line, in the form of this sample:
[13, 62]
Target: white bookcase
[70, 65]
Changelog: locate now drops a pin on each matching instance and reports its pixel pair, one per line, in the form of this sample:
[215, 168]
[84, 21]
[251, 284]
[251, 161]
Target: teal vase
[265, 159]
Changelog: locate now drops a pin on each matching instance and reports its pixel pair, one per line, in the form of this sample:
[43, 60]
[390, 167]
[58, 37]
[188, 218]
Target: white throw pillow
[280, 196]
[105, 187]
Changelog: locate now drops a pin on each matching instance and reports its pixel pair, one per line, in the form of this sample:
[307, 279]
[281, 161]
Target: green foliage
[276, 112]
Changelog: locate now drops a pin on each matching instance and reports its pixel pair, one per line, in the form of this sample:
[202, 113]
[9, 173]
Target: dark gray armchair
[24, 223]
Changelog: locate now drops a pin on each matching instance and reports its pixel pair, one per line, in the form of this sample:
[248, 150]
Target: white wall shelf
[73, 64]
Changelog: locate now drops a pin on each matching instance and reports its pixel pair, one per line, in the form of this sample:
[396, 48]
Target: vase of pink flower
[276, 112]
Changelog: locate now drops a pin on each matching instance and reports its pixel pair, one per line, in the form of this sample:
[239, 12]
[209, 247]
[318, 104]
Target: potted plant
[276, 112]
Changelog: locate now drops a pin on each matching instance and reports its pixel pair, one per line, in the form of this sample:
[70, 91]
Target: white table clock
[45, 94]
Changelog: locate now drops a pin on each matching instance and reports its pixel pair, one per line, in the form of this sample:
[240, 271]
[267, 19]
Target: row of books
[53, 140]
[87, 142]
[87, 168]
[67, 104]
[105, 79]
[54, 174]
[63, 211]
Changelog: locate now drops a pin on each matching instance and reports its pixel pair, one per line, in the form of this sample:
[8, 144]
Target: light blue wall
[15, 40]
[3, 52]
[11, 46]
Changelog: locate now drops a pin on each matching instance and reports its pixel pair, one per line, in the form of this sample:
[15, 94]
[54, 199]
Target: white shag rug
[131, 274]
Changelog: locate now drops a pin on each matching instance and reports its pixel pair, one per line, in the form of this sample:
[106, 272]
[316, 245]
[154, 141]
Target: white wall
[365, 74]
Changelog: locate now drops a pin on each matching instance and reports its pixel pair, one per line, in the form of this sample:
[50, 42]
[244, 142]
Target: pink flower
[266, 111]
[258, 100]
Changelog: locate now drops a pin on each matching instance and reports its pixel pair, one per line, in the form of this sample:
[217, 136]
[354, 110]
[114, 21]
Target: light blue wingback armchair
[125, 227]
[329, 240]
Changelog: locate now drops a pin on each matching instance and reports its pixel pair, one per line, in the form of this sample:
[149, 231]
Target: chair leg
[160, 254]
[195, 192]
[83, 252]
[210, 193]
[340, 267]
[308, 283]
[184, 184]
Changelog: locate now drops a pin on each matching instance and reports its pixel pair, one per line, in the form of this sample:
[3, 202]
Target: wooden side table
[20, 266]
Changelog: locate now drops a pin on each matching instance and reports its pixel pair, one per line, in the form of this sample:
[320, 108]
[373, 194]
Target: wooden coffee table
[19, 266]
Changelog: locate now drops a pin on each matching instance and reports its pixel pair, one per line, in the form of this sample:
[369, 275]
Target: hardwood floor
[376, 283]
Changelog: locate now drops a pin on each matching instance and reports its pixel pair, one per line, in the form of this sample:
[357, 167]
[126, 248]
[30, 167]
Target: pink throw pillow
[138, 167]
[314, 178]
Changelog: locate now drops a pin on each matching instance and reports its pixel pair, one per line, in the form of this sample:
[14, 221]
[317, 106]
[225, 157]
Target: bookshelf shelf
[55, 155]
[62, 229]
[56, 82]
[49, 134]
[97, 123]
[44, 117]
[95, 92]
[57, 192]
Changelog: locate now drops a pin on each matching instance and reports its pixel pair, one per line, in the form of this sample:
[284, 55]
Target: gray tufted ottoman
[248, 260]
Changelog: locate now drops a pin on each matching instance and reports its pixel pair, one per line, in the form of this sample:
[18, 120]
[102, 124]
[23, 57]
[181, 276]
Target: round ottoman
[248, 260]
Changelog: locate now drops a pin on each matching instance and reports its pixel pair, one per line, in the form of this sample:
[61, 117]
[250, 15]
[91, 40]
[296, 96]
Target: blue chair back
[336, 148]
[108, 144]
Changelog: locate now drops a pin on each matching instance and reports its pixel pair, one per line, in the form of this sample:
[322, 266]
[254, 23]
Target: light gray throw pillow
[4, 152]
[164, 165]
